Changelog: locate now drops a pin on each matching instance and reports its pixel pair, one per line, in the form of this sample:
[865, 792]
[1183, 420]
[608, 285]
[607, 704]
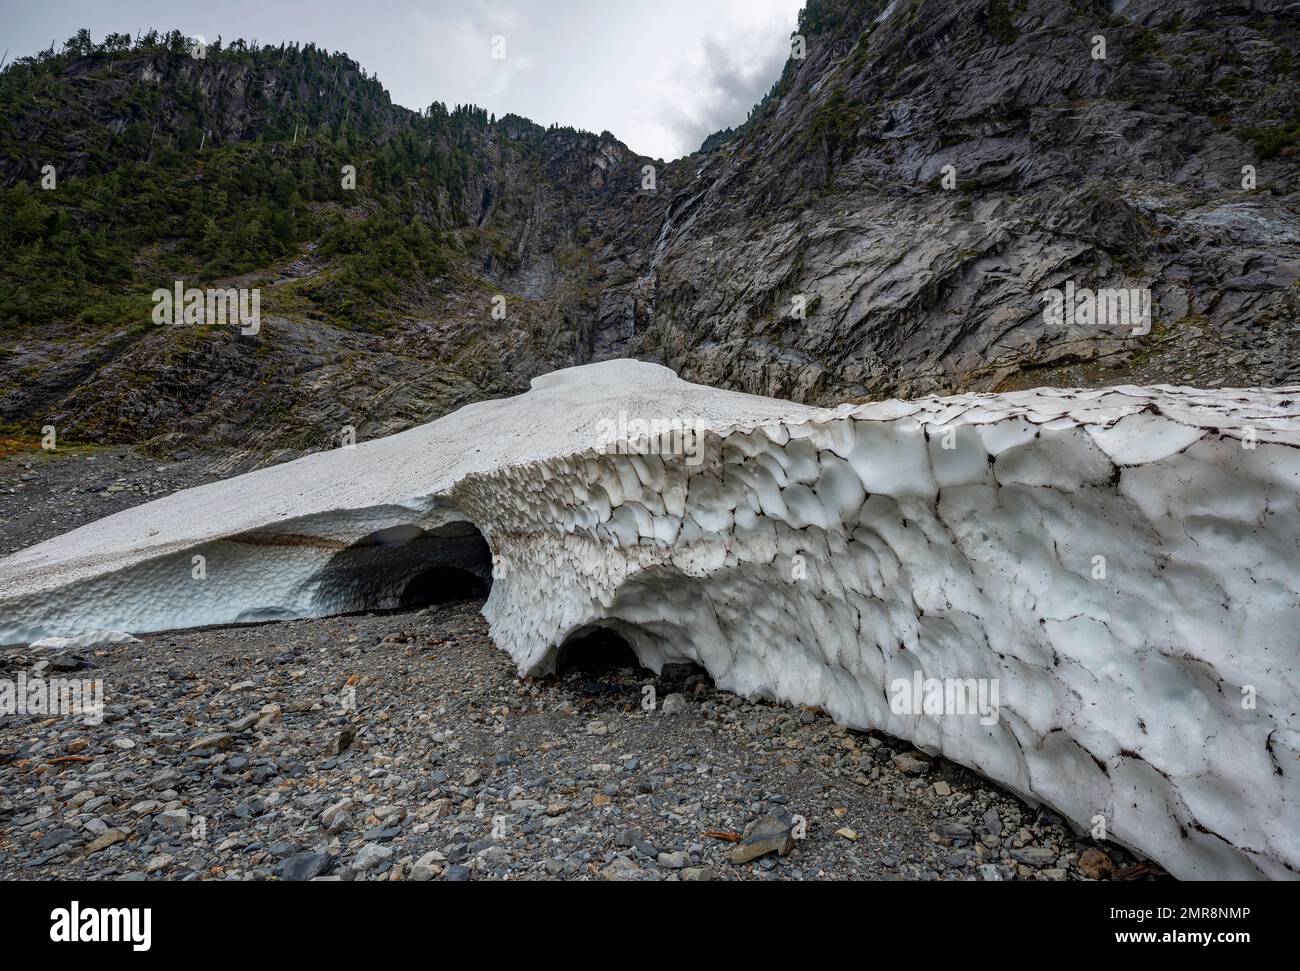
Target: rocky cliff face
[886, 223]
[511, 205]
[1124, 172]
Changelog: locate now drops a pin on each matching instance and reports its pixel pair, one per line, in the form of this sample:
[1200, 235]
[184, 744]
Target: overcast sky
[659, 74]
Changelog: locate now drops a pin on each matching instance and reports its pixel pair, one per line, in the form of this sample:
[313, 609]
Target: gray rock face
[1127, 172]
[1169, 166]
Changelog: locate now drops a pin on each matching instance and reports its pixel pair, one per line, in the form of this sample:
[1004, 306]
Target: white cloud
[461, 46]
[721, 80]
[659, 74]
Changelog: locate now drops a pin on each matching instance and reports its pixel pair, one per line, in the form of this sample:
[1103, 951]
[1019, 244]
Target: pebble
[674, 704]
[1035, 856]
[912, 763]
[1095, 864]
[371, 855]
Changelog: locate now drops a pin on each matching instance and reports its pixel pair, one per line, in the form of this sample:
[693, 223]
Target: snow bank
[1110, 578]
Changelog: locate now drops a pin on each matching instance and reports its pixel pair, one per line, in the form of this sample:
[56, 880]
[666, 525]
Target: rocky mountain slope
[1123, 172]
[1130, 171]
[229, 170]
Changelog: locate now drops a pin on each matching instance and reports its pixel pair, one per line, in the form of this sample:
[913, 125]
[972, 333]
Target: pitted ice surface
[1119, 569]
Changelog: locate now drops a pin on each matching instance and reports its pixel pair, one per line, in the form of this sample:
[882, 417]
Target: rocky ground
[405, 747]
[45, 494]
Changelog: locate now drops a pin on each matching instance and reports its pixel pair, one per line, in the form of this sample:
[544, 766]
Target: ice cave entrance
[601, 660]
[406, 568]
[595, 651]
[443, 584]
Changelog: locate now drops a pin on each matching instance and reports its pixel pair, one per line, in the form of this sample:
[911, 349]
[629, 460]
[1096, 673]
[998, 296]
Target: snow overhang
[1105, 582]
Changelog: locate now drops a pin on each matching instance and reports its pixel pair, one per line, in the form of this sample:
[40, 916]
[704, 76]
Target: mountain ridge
[378, 302]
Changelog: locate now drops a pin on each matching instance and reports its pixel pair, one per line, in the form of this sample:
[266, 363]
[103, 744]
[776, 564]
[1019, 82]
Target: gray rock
[426, 867]
[340, 743]
[955, 832]
[1035, 856]
[623, 870]
[337, 815]
[173, 821]
[370, 856]
[305, 866]
[221, 741]
[57, 837]
[912, 763]
[696, 874]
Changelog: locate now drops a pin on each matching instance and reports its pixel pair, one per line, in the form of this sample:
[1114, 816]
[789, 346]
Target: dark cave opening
[408, 568]
[445, 565]
[595, 652]
[441, 585]
[600, 663]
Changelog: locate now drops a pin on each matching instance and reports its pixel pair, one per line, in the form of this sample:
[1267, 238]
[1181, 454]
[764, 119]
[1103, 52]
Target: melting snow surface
[1117, 571]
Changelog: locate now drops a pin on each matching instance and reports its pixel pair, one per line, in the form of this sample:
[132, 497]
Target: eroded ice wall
[1123, 565]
